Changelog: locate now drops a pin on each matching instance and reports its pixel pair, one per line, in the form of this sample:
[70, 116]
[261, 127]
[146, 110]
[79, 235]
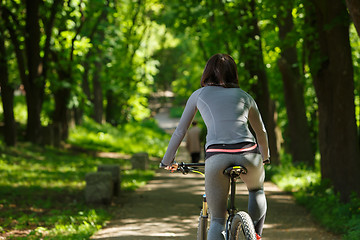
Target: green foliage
[20, 110]
[176, 112]
[128, 138]
[146, 46]
[292, 178]
[326, 207]
[319, 197]
[133, 179]
[32, 179]
[130, 69]
[68, 225]
[355, 45]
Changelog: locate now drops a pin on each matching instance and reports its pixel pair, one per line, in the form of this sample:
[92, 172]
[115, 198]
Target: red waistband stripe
[232, 150]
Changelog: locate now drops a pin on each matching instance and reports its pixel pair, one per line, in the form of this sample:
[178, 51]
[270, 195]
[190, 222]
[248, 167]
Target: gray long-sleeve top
[226, 113]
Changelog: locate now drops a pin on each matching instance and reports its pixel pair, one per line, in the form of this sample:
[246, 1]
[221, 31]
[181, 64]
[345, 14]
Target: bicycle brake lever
[183, 170]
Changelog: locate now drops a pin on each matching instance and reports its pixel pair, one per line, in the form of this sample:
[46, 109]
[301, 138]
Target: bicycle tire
[242, 227]
[203, 226]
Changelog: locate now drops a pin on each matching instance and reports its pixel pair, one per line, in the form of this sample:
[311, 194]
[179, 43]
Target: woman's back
[225, 112]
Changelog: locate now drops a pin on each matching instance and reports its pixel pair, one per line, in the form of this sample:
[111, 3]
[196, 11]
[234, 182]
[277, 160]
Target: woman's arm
[179, 134]
[260, 131]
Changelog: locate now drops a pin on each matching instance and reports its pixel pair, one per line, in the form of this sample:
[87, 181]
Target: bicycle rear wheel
[203, 226]
[242, 227]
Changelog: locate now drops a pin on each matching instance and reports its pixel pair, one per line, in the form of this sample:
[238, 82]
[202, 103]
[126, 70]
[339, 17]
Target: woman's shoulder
[197, 92]
[245, 93]
[194, 96]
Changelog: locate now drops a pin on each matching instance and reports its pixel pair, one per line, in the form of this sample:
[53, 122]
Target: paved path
[168, 208]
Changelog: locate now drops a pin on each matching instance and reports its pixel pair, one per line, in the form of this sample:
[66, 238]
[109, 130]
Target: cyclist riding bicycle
[226, 110]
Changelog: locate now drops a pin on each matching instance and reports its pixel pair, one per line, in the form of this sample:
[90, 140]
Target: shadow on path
[168, 208]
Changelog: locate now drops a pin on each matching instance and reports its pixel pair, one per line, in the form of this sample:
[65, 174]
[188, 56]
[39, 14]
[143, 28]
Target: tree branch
[14, 39]
[48, 32]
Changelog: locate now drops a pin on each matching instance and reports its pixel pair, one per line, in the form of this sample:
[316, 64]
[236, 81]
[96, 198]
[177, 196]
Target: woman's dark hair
[220, 70]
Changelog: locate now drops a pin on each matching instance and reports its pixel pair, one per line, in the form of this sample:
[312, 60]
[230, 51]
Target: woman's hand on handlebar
[173, 167]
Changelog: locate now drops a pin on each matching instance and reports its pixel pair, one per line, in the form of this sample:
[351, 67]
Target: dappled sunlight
[274, 193]
[281, 198]
[168, 207]
[279, 231]
[172, 226]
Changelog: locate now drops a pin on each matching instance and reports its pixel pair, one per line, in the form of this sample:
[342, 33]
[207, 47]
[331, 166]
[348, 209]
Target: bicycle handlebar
[185, 168]
[182, 164]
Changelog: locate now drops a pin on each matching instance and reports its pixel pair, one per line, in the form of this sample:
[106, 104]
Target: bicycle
[239, 224]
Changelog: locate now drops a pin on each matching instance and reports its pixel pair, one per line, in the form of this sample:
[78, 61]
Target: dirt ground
[168, 208]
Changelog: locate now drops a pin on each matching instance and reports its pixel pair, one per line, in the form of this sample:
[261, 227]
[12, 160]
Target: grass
[41, 192]
[129, 138]
[42, 188]
[319, 197]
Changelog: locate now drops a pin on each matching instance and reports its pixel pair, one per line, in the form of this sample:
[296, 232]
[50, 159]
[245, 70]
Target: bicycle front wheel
[203, 226]
[242, 227]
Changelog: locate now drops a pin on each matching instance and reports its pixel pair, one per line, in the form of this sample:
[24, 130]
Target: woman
[226, 111]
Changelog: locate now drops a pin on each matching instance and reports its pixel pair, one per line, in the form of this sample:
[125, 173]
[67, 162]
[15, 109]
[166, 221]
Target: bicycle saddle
[235, 171]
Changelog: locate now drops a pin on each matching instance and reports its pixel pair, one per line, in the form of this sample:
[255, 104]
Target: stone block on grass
[115, 174]
[99, 188]
[140, 161]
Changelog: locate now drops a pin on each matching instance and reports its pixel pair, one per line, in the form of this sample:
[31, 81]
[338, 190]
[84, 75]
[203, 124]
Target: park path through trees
[168, 208]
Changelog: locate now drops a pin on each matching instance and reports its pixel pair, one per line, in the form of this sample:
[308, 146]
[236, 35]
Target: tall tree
[7, 91]
[99, 63]
[354, 9]
[332, 70]
[299, 134]
[65, 58]
[34, 83]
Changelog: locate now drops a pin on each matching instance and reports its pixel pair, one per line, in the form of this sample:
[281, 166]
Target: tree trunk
[332, 70]
[299, 134]
[61, 113]
[354, 9]
[34, 84]
[256, 68]
[7, 95]
[98, 96]
[85, 79]
[97, 99]
[110, 108]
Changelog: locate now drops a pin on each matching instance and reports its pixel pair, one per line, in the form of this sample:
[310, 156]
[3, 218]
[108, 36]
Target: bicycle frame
[233, 172]
[232, 209]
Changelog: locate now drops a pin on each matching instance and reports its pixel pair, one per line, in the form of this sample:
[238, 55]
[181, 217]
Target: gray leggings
[217, 187]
